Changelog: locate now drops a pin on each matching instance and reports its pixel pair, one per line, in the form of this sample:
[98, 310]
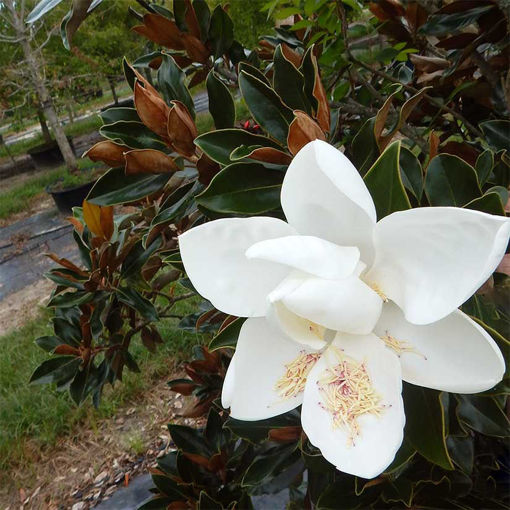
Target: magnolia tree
[344, 244]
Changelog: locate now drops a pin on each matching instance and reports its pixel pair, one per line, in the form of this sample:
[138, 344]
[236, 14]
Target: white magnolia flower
[342, 308]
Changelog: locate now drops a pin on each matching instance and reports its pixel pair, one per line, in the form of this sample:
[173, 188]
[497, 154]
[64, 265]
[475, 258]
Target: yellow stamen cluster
[293, 381]
[347, 393]
[400, 346]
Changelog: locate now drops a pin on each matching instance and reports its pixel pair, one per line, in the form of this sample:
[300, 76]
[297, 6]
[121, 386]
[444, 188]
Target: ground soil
[92, 464]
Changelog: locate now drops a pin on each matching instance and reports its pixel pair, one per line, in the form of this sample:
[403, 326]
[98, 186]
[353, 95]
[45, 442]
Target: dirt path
[92, 464]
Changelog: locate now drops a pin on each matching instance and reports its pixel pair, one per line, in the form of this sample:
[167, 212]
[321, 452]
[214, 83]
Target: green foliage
[412, 133]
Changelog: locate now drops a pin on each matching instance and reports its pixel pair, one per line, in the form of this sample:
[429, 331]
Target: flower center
[347, 393]
[292, 383]
[400, 347]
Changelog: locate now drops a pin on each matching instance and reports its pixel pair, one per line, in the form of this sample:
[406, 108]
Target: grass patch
[83, 126]
[41, 415]
[20, 197]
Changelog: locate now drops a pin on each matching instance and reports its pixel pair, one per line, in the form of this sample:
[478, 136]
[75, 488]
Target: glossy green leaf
[135, 300]
[450, 181]
[48, 343]
[227, 338]
[254, 71]
[59, 370]
[484, 165]
[144, 61]
[243, 188]
[425, 424]
[411, 172]
[490, 203]
[176, 204]
[309, 74]
[218, 145]
[461, 449]
[40, 9]
[189, 440]
[440, 24]
[221, 103]
[364, 148]
[137, 257]
[114, 187]
[132, 134]
[384, 182]
[497, 133]
[403, 457]
[203, 14]
[172, 83]
[289, 83]
[256, 431]
[266, 106]
[221, 31]
[67, 331]
[69, 299]
[484, 415]
[115, 114]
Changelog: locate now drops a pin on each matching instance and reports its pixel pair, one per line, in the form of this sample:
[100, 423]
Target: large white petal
[229, 383]
[347, 305]
[430, 260]
[323, 195]
[454, 354]
[309, 254]
[379, 438]
[214, 258]
[261, 356]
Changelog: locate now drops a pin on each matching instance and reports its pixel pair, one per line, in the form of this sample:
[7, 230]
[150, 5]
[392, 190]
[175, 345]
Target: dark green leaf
[115, 114]
[135, 300]
[440, 24]
[189, 440]
[221, 31]
[411, 173]
[490, 203]
[228, 336]
[176, 205]
[137, 257]
[289, 83]
[171, 81]
[243, 188]
[484, 165]
[257, 431]
[41, 8]
[308, 69]
[83, 384]
[461, 450]
[254, 71]
[132, 134]
[451, 181]
[266, 106]
[497, 133]
[59, 370]
[145, 60]
[385, 184]
[484, 415]
[221, 103]
[67, 331]
[69, 299]
[364, 148]
[218, 145]
[114, 187]
[203, 16]
[48, 343]
[425, 424]
[405, 454]
[158, 503]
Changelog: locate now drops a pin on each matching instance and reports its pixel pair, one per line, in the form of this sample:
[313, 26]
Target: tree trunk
[111, 82]
[43, 95]
[44, 126]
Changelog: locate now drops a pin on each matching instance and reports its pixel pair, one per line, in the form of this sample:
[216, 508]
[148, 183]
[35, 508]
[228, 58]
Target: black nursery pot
[47, 155]
[66, 199]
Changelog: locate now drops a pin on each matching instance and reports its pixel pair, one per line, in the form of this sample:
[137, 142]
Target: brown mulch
[90, 466]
